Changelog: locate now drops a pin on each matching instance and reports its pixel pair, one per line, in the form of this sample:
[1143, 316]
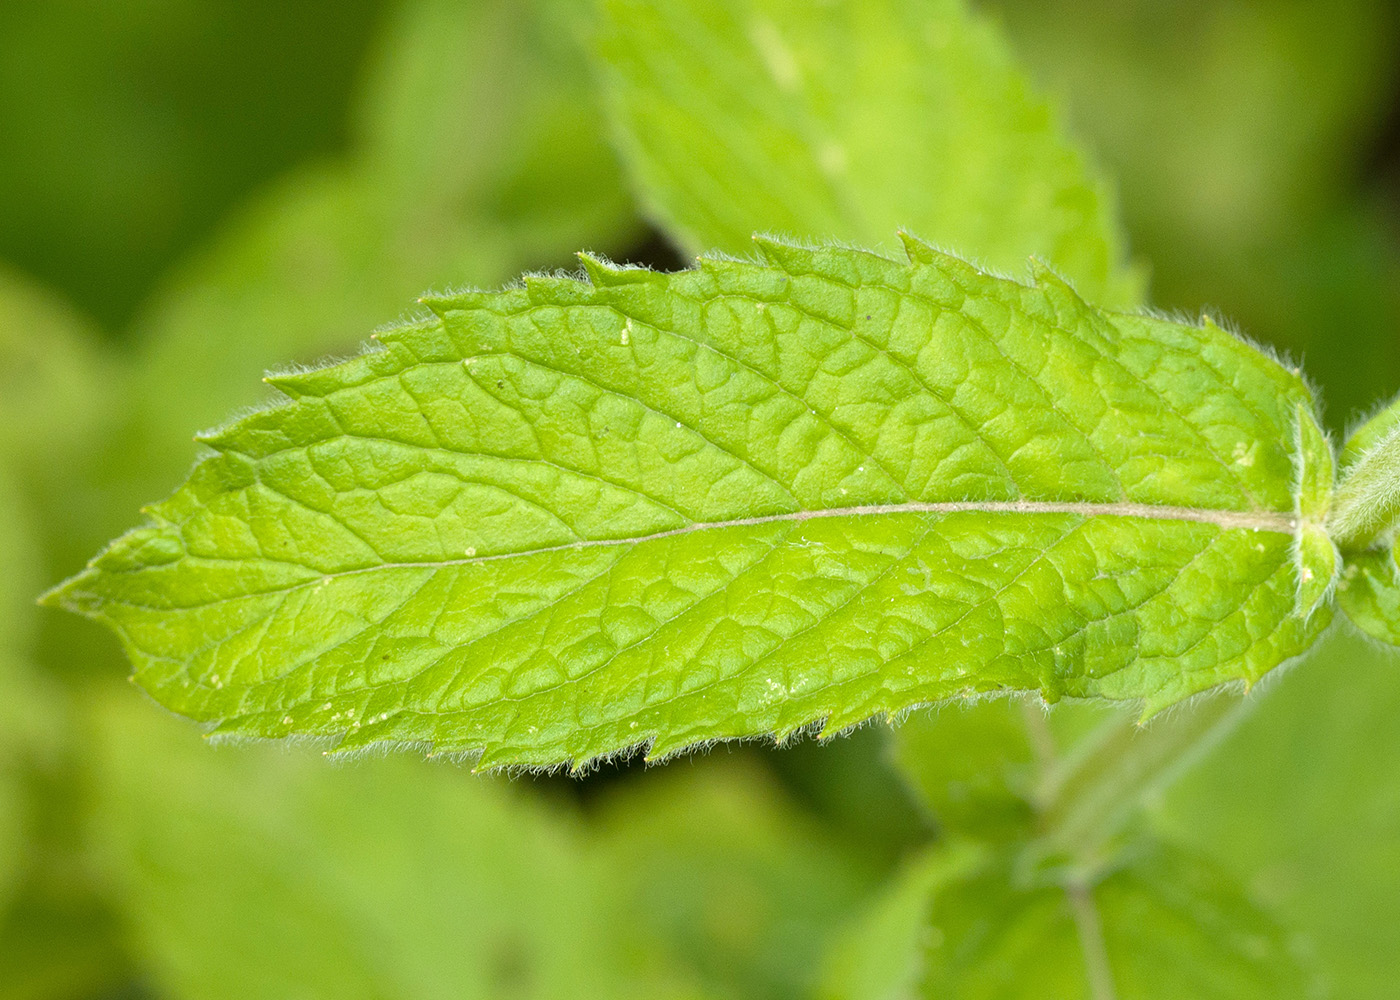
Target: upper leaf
[847, 121]
[569, 518]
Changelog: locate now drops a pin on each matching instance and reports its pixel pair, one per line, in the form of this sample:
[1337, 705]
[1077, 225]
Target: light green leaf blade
[570, 518]
[1164, 923]
[849, 121]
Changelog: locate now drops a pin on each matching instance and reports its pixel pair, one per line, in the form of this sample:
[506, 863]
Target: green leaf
[877, 954]
[849, 121]
[974, 765]
[1164, 923]
[1257, 201]
[1369, 593]
[1367, 502]
[566, 519]
[1071, 779]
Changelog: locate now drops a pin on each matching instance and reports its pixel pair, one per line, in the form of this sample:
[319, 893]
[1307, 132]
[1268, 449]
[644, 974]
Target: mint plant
[867, 465]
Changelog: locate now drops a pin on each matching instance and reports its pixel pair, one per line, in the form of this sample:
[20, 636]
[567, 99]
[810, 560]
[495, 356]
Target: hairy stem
[1367, 502]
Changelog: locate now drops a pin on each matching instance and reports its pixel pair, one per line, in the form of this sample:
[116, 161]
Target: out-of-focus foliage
[1240, 133]
[477, 154]
[129, 127]
[725, 876]
[228, 186]
[21, 718]
[252, 872]
[1302, 802]
[1161, 923]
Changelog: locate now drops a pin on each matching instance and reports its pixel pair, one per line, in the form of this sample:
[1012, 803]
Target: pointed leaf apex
[775, 250]
[916, 249]
[292, 384]
[604, 273]
[438, 305]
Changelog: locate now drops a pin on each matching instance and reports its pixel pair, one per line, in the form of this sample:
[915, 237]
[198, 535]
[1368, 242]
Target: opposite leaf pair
[574, 517]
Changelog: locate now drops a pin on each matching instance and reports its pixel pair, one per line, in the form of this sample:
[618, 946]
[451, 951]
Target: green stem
[1367, 502]
[1086, 798]
[1098, 970]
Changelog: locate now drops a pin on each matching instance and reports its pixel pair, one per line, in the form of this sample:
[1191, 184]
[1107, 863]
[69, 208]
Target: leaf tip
[287, 383]
[436, 303]
[53, 597]
[916, 249]
[774, 249]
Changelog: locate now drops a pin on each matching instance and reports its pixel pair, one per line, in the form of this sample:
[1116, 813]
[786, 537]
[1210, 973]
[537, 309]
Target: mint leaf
[849, 121]
[1162, 923]
[566, 519]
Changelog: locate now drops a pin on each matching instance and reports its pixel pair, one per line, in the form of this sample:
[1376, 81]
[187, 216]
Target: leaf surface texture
[555, 522]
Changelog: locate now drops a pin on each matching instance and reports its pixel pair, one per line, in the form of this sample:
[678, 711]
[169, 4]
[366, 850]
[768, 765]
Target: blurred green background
[194, 191]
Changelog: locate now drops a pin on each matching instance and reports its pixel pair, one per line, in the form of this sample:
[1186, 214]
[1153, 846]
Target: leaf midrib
[1226, 520]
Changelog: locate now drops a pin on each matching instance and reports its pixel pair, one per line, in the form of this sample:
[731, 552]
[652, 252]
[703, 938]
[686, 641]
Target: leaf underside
[575, 517]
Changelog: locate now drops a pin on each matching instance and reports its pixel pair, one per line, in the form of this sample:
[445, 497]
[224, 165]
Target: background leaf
[1302, 801]
[222, 856]
[131, 126]
[723, 875]
[1248, 141]
[320, 259]
[1161, 924]
[850, 122]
